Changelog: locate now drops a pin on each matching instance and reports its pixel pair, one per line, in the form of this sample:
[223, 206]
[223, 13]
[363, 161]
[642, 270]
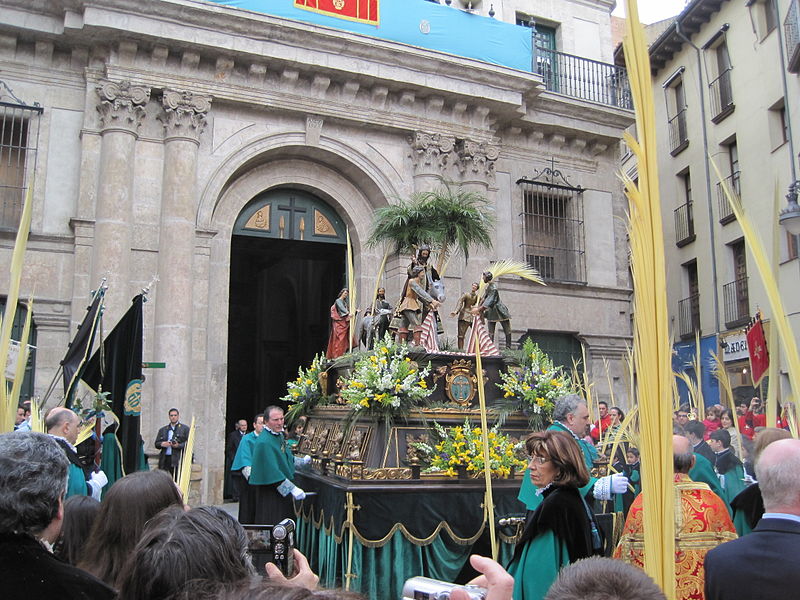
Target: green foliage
[463, 446]
[305, 392]
[533, 387]
[385, 382]
[446, 218]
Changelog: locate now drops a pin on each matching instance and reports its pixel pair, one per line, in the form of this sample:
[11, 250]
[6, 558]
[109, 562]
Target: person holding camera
[171, 440]
[563, 528]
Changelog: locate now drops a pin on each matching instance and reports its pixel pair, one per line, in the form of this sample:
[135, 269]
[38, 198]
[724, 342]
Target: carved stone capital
[477, 159]
[122, 105]
[184, 114]
[430, 152]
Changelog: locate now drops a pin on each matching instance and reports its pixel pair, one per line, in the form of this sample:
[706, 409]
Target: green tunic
[244, 454]
[495, 309]
[703, 472]
[76, 482]
[272, 459]
[527, 491]
[538, 566]
[111, 461]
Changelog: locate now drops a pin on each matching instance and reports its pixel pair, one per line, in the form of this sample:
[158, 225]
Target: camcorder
[424, 588]
[272, 543]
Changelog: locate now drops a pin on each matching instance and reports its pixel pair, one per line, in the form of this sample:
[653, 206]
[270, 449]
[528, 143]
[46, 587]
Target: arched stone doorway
[287, 264]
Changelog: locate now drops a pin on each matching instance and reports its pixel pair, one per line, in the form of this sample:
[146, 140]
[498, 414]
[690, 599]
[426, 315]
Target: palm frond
[504, 268]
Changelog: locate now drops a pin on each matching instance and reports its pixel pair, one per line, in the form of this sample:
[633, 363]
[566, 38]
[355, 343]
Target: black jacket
[181, 434]
[31, 572]
[762, 564]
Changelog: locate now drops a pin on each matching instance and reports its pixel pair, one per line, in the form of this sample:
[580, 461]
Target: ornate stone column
[184, 119]
[476, 164]
[430, 155]
[121, 111]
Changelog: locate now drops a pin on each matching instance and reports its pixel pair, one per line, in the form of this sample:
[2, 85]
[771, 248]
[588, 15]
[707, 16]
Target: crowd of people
[736, 525]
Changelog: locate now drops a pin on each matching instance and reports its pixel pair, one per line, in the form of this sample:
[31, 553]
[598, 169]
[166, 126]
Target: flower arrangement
[385, 381]
[462, 447]
[534, 386]
[305, 392]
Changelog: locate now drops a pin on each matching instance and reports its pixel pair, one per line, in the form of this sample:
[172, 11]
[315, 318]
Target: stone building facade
[170, 131]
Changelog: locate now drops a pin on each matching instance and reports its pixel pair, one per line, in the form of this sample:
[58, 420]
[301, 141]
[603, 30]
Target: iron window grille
[19, 137]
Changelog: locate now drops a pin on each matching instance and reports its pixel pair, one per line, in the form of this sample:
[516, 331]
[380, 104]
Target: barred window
[552, 217]
[19, 134]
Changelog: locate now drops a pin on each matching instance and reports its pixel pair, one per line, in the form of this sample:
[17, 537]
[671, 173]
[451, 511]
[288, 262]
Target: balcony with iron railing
[791, 30]
[721, 96]
[689, 316]
[736, 302]
[678, 134]
[725, 211]
[582, 78]
[684, 225]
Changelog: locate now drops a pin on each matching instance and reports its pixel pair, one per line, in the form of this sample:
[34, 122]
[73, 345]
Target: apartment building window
[19, 133]
[791, 29]
[733, 182]
[552, 217]
[720, 86]
[684, 216]
[675, 95]
[778, 125]
[735, 293]
[770, 15]
[689, 307]
[791, 246]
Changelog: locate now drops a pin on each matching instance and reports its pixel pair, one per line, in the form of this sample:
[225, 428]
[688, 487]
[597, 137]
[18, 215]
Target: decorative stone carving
[430, 151]
[122, 105]
[184, 114]
[477, 159]
[313, 129]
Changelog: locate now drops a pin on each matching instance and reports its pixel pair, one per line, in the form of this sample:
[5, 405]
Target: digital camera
[272, 543]
[424, 588]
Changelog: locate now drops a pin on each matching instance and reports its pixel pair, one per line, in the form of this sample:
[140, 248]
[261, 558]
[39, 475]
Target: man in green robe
[571, 415]
[62, 425]
[272, 472]
[240, 469]
[493, 310]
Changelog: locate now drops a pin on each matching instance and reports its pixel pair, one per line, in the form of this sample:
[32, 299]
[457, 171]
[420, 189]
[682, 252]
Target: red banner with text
[363, 11]
[757, 346]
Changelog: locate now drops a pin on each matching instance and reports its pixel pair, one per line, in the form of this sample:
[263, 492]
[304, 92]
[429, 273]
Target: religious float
[397, 464]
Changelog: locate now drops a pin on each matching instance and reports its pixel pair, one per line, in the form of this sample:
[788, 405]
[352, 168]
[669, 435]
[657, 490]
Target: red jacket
[600, 426]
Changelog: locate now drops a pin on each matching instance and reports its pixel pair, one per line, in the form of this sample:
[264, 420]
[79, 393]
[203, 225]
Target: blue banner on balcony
[421, 24]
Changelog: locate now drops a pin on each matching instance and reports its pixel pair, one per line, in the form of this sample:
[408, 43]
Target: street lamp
[790, 216]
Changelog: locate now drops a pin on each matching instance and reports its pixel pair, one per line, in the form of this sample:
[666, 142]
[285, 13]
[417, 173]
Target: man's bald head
[62, 422]
[778, 473]
[682, 454]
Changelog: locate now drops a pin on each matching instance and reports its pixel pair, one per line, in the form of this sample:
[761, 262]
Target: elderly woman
[563, 528]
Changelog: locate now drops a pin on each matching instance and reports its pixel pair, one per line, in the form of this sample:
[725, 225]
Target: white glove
[619, 484]
[301, 461]
[246, 472]
[297, 493]
[96, 489]
[608, 485]
[100, 478]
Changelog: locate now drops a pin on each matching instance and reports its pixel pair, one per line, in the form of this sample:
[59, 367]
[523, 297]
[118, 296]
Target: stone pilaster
[121, 108]
[184, 120]
[430, 155]
[476, 163]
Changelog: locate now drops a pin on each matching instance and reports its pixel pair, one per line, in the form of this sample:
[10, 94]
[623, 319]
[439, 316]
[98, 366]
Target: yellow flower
[308, 382]
[364, 402]
[380, 397]
[507, 394]
[540, 401]
[385, 350]
[422, 384]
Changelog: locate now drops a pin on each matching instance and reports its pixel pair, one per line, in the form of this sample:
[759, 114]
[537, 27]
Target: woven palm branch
[504, 268]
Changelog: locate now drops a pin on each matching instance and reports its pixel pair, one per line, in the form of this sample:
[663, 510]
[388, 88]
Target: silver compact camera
[425, 588]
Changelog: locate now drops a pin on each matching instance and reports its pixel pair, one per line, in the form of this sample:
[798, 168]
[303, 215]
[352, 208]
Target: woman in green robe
[562, 529]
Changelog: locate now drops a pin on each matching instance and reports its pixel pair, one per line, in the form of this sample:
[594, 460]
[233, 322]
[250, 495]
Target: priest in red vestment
[702, 523]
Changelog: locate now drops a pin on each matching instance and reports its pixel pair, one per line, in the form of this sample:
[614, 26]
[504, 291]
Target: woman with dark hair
[79, 515]
[130, 503]
[562, 529]
[726, 423]
[204, 543]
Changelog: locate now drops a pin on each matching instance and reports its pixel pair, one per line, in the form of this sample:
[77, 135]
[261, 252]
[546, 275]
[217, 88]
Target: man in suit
[33, 482]
[171, 440]
[232, 481]
[763, 564]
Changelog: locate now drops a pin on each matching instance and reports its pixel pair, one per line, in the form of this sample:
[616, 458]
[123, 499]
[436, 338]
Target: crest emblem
[133, 398]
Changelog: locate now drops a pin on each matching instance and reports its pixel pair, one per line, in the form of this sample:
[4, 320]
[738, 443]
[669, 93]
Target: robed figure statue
[338, 342]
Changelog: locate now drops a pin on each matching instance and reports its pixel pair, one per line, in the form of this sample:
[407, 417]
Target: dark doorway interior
[280, 297]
